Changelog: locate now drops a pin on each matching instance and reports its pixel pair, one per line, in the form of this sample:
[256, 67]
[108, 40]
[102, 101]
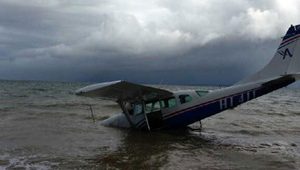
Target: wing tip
[91, 87]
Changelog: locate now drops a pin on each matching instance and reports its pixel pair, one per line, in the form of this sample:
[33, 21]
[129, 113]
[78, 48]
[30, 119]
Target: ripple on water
[27, 162]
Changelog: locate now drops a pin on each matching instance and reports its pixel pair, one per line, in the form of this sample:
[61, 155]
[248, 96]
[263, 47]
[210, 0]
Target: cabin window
[171, 102]
[168, 103]
[201, 93]
[184, 98]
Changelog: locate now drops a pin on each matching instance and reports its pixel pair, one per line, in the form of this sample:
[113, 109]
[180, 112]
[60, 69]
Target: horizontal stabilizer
[296, 75]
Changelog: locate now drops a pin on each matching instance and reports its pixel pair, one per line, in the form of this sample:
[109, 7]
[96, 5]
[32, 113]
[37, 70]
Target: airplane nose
[117, 120]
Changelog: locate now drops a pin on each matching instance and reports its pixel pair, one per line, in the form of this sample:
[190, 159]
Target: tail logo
[285, 53]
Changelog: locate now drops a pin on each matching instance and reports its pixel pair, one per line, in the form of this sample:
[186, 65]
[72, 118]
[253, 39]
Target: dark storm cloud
[207, 41]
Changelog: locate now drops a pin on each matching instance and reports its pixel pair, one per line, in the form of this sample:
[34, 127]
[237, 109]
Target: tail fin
[286, 60]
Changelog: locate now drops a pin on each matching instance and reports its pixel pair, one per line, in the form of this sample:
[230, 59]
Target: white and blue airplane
[151, 108]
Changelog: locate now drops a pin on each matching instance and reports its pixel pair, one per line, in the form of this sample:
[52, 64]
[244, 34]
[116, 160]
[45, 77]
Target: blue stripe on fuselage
[196, 113]
[208, 110]
[215, 107]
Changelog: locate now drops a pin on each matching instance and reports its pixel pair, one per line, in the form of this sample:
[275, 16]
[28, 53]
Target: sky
[214, 42]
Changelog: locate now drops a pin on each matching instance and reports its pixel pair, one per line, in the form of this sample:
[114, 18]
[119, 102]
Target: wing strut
[146, 118]
[143, 103]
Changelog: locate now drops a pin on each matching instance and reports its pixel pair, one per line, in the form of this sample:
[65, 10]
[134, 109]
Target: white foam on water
[28, 162]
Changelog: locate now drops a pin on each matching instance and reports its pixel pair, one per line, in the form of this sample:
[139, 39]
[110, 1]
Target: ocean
[44, 125]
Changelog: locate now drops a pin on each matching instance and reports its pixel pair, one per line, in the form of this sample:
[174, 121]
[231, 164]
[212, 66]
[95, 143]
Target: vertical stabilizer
[285, 61]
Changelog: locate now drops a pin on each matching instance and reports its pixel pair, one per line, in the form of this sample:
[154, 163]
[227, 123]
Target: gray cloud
[208, 41]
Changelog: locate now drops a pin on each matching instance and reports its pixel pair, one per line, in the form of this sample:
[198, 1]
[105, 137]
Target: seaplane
[151, 109]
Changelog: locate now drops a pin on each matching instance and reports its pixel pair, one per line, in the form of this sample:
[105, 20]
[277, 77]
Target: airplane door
[154, 114]
[155, 119]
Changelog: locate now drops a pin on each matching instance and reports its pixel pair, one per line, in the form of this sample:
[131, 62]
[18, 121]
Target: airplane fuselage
[146, 107]
[193, 105]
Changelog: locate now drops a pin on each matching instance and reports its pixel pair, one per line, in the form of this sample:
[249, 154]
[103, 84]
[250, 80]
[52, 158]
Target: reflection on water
[186, 150]
[138, 150]
[45, 126]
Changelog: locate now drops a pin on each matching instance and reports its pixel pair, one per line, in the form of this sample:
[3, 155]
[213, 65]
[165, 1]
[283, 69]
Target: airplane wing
[122, 90]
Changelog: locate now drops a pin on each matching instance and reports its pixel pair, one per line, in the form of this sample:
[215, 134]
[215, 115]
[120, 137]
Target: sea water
[44, 125]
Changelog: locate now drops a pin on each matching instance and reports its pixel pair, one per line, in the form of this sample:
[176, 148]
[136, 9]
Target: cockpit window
[156, 106]
[137, 109]
[152, 106]
[184, 98]
[201, 93]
